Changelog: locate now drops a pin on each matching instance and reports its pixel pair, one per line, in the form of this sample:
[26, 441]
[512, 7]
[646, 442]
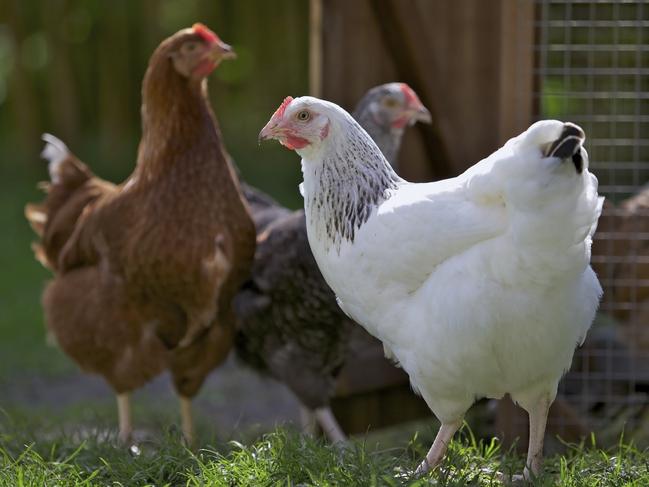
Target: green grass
[285, 458]
[22, 334]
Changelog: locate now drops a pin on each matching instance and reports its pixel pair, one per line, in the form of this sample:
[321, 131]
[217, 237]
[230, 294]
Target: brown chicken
[145, 272]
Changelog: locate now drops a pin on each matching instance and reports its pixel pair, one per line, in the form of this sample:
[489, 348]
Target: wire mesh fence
[592, 68]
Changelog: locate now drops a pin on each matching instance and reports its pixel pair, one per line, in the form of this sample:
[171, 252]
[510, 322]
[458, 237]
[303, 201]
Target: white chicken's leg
[538, 414]
[437, 451]
[124, 417]
[187, 420]
[329, 425]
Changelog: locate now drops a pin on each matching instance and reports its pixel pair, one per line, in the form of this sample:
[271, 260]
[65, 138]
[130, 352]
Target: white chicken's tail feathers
[542, 178]
[55, 152]
[568, 145]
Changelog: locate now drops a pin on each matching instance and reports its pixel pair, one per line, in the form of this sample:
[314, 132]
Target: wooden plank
[367, 369]
[471, 63]
[386, 407]
[402, 33]
[516, 77]
[355, 58]
[315, 48]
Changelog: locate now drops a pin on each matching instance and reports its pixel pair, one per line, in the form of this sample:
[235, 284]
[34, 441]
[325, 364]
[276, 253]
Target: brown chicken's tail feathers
[55, 152]
[37, 217]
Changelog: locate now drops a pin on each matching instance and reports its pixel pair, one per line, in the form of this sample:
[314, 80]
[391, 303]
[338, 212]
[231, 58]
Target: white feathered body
[478, 285]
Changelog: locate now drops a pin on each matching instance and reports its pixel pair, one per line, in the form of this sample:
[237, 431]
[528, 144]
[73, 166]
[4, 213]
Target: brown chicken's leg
[124, 417]
[329, 425]
[437, 451]
[187, 420]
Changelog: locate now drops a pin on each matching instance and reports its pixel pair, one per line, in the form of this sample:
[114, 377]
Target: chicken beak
[220, 51]
[268, 132]
[422, 115]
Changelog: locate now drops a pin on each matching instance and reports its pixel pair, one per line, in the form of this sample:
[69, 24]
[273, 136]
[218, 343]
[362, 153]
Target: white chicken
[479, 285]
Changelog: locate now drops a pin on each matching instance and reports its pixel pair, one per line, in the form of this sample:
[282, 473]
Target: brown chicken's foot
[329, 425]
[437, 451]
[124, 417]
[187, 421]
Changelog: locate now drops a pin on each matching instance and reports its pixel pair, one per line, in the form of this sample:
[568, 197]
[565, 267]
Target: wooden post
[402, 33]
[516, 67]
[315, 48]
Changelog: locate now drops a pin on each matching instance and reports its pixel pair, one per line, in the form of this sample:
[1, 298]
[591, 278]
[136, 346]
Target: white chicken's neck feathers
[344, 181]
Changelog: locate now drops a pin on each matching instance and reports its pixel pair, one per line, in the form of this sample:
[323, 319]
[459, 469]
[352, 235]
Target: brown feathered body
[145, 272]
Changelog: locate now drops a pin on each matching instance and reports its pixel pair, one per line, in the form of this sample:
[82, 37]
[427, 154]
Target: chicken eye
[390, 102]
[303, 116]
[190, 46]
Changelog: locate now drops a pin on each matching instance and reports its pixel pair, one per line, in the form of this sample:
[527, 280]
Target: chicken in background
[385, 112]
[145, 272]
[290, 324]
[479, 285]
[621, 253]
[624, 258]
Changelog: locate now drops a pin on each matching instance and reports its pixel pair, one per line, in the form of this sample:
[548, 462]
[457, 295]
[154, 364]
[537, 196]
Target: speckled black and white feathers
[289, 319]
[356, 179]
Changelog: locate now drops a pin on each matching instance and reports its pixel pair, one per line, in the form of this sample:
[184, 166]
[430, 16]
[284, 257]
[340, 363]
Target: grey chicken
[291, 327]
[385, 111]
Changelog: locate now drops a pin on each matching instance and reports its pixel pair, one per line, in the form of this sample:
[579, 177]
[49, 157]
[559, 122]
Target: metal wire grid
[593, 69]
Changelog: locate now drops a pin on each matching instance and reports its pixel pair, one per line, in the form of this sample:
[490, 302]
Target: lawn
[285, 458]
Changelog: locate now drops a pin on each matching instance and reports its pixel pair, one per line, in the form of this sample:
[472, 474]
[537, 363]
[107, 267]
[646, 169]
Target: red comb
[410, 95]
[282, 108]
[204, 31]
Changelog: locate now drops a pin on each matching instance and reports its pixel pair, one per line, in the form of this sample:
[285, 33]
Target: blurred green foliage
[74, 68]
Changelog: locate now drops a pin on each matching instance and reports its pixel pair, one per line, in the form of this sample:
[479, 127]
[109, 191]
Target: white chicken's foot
[187, 420]
[538, 414]
[308, 421]
[124, 417]
[437, 451]
[329, 425]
